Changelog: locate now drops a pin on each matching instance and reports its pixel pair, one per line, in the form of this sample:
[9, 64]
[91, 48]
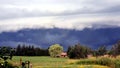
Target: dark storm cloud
[25, 8]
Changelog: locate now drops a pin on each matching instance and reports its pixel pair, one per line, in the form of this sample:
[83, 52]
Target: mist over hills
[45, 37]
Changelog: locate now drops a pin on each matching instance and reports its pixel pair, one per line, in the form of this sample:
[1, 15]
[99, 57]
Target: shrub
[104, 61]
[117, 63]
[99, 61]
[8, 65]
[5, 64]
[87, 61]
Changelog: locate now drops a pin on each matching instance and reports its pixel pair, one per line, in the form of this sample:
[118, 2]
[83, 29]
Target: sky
[65, 14]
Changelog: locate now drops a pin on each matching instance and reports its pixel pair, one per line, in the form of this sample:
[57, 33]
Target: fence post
[30, 65]
[20, 61]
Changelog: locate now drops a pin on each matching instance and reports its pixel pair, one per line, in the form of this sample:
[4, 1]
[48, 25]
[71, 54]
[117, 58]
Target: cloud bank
[64, 14]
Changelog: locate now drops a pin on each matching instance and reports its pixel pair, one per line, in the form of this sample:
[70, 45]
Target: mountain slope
[46, 37]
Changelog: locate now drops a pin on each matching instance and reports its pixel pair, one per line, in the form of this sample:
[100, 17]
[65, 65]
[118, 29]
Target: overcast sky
[66, 14]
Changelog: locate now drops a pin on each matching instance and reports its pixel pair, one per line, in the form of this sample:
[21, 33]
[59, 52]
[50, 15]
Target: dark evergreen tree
[25, 50]
[18, 50]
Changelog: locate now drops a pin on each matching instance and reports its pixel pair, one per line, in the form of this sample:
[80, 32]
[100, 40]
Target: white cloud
[65, 14]
[76, 22]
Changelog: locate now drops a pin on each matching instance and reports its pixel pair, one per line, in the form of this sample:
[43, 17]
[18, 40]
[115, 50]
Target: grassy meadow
[49, 62]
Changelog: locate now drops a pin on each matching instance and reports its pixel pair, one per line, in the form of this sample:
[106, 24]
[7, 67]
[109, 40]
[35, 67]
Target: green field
[43, 62]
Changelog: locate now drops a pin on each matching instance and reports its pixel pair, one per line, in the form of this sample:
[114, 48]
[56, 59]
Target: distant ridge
[45, 37]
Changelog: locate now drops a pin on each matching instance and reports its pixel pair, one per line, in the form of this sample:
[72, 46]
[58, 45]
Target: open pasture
[49, 62]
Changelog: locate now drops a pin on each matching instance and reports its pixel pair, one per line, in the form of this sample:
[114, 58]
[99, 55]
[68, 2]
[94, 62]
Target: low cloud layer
[74, 22]
[64, 14]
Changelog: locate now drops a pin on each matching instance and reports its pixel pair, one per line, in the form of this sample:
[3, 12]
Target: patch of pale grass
[73, 66]
[92, 58]
[72, 61]
[92, 66]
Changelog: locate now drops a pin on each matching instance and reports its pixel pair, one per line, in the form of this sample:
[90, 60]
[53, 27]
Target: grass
[43, 62]
[37, 61]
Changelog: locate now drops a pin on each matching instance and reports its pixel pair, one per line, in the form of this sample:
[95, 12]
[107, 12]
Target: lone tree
[78, 51]
[55, 50]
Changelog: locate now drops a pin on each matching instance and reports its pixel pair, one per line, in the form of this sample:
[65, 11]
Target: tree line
[76, 51]
[23, 50]
[79, 51]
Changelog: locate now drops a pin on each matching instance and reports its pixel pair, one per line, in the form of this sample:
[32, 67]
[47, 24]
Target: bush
[117, 63]
[7, 65]
[104, 61]
[99, 61]
[87, 61]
